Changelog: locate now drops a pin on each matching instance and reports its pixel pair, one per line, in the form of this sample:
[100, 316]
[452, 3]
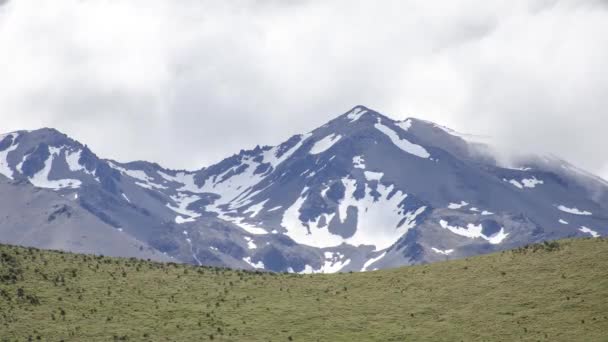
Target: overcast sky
[186, 83]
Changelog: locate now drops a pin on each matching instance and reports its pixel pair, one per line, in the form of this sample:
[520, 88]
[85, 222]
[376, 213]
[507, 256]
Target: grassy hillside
[552, 292]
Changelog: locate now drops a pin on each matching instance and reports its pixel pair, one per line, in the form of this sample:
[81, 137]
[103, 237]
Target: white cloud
[604, 172]
[197, 76]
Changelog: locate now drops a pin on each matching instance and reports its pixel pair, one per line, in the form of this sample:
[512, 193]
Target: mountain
[549, 292]
[362, 192]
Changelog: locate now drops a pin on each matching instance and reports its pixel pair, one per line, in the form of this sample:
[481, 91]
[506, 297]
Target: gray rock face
[360, 193]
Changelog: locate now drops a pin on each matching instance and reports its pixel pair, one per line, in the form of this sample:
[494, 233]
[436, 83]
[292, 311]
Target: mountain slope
[362, 192]
[40, 218]
[367, 181]
[551, 292]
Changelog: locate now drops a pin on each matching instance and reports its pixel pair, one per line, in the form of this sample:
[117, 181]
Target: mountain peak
[363, 114]
[45, 135]
[359, 112]
[362, 192]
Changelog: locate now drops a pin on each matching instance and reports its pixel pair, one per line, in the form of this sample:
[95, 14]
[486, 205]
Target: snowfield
[371, 261]
[473, 231]
[442, 251]
[457, 205]
[402, 143]
[380, 221]
[591, 232]
[356, 114]
[574, 211]
[526, 183]
[325, 144]
[4, 169]
[41, 179]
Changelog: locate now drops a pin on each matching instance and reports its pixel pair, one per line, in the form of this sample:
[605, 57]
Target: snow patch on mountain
[235, 185]
[373, 176]
[183, 201]
[250, 243]
[137, 174]
[356, 114]
[41, 178]
[442, 251]
[19, 166]
[186, 179]
[404, 125]
[144, 180]
[531, 182]
[574, 211]
[358, 162]
[189, 241]
[270, 156]
[403, 144]
[255, 209]
[457, 205]
[526, 182]
[238, 221]
[371, 261]
[589, 231]
[125, 197]
[380, 219]
[325, 143]
[4, 167]
[256, 265]
[230, 187]
[473, 231]
[333, 263]
[310, 234]
[516, 183]
[563, 221]
[72, 158]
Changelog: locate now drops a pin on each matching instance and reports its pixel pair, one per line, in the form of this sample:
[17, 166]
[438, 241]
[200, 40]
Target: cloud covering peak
[187, 83]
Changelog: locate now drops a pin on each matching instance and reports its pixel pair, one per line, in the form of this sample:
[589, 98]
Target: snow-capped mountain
[360, 193]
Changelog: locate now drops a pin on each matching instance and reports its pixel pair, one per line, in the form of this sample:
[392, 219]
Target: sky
[187, 83]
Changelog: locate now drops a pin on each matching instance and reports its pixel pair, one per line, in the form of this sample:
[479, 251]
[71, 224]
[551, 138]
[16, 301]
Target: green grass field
[551, 292]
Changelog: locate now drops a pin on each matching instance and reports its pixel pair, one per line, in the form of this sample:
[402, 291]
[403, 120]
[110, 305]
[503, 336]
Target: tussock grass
[551, 292]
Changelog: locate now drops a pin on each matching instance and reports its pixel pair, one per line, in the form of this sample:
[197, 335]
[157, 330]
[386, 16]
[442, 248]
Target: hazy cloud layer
[186, 83]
